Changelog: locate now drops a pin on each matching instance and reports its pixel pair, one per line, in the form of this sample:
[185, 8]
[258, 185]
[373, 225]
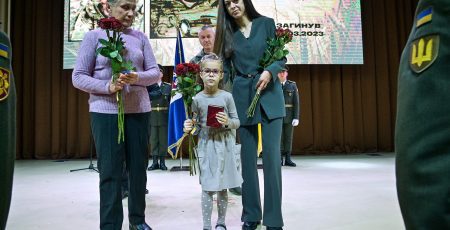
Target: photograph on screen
[84, 15]
[325, 31]
[188, 15]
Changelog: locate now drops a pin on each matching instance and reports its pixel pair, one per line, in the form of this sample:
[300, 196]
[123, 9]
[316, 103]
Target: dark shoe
[288, 161]
[143, 226]
[154, 165]
[162, 163]
[274, 228]
[250, 225]
[221, 225]
[236, 191]
[124, 194]
[146, 191]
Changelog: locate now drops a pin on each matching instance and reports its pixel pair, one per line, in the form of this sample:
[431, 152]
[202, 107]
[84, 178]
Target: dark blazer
[422, 138]
[245, 59]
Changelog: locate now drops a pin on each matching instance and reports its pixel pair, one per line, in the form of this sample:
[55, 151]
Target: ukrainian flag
[424, 17]
[3, 51]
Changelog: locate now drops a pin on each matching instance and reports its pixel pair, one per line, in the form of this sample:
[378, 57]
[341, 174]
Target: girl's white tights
[207, 207]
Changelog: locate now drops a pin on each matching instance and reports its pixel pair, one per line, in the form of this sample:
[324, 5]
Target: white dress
[218, 155]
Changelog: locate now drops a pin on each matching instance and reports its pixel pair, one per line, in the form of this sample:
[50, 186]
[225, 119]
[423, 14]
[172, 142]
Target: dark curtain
[344, 108]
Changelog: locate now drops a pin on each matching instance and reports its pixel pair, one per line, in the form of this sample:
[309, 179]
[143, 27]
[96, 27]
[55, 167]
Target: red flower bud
[110, 24]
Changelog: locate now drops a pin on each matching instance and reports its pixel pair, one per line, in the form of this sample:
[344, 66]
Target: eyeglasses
[209, 71]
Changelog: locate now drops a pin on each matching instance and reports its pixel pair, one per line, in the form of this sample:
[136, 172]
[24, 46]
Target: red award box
[211, 120]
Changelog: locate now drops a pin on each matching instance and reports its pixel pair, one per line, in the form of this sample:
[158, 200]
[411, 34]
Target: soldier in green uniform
[422, 138]
[7, 127]
[159, 94]
[292, 106]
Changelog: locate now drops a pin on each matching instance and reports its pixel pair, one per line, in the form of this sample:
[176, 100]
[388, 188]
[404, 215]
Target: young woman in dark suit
[241, 37]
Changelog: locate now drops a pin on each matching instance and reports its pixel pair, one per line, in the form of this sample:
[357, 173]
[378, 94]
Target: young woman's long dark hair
[223, 43]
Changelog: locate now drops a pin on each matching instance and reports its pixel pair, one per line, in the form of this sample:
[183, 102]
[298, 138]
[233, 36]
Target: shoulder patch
[4, 50]
[424, 52]
[424, 17]
[4, 83]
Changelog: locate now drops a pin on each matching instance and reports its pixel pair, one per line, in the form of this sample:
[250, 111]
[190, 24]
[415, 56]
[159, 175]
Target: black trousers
[111, 156]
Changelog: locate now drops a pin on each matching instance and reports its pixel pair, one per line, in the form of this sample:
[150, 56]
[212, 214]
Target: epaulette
[292, 82]
[166, 83]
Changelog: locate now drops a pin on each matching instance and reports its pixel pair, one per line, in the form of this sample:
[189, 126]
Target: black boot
[162, 163]
[155, 164]
[282, 158]
[288, 161]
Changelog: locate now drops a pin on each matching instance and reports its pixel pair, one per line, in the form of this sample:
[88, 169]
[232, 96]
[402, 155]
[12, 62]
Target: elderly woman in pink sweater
[92, 74]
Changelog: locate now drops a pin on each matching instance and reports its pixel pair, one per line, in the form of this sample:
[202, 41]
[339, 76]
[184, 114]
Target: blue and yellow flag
[4, 50]
[424, 17]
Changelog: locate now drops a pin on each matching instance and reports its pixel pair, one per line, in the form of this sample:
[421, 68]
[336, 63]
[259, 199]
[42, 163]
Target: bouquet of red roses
[188, 87]
[275, 51]
[114, 48]
[187, 84]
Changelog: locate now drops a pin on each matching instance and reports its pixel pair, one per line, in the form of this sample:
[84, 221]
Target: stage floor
[345, 192]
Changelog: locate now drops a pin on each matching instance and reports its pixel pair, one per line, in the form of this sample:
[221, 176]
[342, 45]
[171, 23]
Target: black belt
[247, 75]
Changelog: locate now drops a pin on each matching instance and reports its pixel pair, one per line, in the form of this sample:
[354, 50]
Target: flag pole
[180, 58]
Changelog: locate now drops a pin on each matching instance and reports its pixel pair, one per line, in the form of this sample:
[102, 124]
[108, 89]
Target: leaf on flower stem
[115, 66]
[113, 54]
[103, 42]
[286, 52]
[279, 54]
[120, 46]
[188, 79]
[119, 57]
[128, 65]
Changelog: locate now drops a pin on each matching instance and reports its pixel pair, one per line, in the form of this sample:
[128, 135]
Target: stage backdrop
[344, 108]
[325, 31]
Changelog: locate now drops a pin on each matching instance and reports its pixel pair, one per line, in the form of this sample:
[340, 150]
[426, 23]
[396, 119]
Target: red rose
[181, 69]
[110, 24]
[193, 68]
[279, 32]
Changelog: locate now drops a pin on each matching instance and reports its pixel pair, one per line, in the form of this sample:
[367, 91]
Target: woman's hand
[188, 125]
[128, 78]
[264, 80]
[222, 118]
[114, 87]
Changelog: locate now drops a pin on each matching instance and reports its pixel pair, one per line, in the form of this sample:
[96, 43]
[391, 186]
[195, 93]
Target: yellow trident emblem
[424, 52]
[4, 83]
[421, 57]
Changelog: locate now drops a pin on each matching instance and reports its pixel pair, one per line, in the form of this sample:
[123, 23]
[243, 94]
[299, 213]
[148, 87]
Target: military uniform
[7, 127]
[292, 106]
[160, 100]
[422, 138]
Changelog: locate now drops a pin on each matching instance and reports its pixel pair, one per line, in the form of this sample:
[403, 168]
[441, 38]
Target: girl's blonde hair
[211, 57]
[207, 58]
